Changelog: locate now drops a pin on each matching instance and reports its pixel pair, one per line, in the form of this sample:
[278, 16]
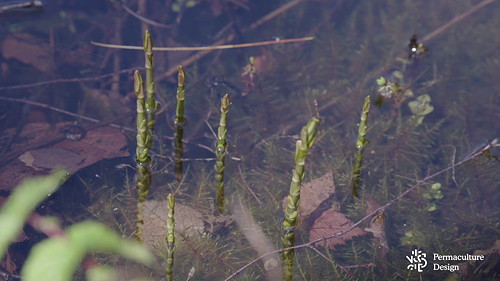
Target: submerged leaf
[50, 158]
[313, 193]
[331, 222]
[43, 147]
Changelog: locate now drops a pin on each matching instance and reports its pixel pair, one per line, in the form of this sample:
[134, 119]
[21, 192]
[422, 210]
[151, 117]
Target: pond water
[445, 105]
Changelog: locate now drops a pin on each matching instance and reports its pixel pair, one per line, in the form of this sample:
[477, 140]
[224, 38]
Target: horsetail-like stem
[146, 107]
[142, 152]
[179, 121]
[170, 236]
[151, 104]
[181, 82]
[220, 152]
[307, 138]
[361, 143]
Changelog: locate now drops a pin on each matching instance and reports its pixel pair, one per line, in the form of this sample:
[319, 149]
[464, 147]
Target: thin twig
[42, 105]
[142, 18]
[456, 19]
[206, 48]
[192, 59]
[344, 268]
[247, 186]
[70, 80]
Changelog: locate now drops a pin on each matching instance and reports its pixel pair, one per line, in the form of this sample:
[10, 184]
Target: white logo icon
[417, 260]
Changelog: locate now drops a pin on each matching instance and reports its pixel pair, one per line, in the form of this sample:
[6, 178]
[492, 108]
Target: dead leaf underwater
[331, 221]
[35, 155]
[313, 193]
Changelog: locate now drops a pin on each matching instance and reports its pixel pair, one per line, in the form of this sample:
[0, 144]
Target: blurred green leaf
[101, 273]
[94, 236]
[56, 258]
[25, 197]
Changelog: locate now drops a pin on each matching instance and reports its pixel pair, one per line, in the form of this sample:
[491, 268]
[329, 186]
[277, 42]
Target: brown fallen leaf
[28, 49]
[98, 144]
[313, 193]
[51, 158]
[331, 222]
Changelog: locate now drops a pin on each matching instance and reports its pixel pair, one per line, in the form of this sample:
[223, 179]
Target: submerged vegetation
[435, 106]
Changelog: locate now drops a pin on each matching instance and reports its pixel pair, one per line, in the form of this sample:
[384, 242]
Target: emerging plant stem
[220, 152]
[307, 139]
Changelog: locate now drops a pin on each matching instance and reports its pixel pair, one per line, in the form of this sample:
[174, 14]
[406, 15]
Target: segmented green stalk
[181, 82]
[143, 141]
[142, 149]
[220, 152]
[142, 152]
[146, 107]
[307, 138]
[179, 121]
[360, 146]
[151, 104]
[170, 236]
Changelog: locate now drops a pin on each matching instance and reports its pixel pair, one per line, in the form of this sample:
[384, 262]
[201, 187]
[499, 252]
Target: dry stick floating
[170, 237]
[310, 244]
[190, 60]
[361, 143]
[179, 121]
[220, 152]
[185, 62]
[307, 138]
[206, 48]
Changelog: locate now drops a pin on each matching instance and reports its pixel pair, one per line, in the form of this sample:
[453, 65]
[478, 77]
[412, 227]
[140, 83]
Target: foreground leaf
[21, 203]
[56, 259]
